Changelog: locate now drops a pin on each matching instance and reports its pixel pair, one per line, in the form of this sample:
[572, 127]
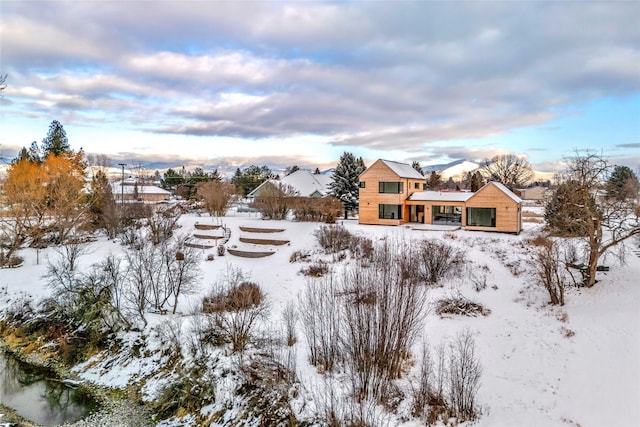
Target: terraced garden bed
[198, 245]
[264, 241]
[206, 226]
[207, 237]
[249, 254]
[262, 230]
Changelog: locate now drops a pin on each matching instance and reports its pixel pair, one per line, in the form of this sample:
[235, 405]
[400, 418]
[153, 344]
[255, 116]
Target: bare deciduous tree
[182, 269]
[464, 376]
[275, 200]
[235, 307]
[436, 260]
[549, 271]
[320, 314]
[216, 196]
[384, 306]
[161, 222]
[509, 169]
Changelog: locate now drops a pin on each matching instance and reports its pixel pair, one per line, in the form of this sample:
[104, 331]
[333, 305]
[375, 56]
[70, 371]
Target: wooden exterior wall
[370, 197]
[508, 211]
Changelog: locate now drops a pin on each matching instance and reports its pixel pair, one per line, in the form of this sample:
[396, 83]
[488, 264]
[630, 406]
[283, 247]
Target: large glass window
[481, 217]
[390, 187]
[390, 211]
[447, 215]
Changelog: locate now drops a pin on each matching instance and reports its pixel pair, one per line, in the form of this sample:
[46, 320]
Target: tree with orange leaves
[24, 205]
[65, 199]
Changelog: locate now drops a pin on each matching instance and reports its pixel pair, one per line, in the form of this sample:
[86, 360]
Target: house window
[361, 184]
[424, 186]
[390, 187]
[390, 211]
[416, 185]
[481, 217]
[446, 215]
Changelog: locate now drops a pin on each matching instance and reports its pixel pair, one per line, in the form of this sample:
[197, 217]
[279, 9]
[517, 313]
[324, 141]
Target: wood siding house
[384, 188]
[492, 208]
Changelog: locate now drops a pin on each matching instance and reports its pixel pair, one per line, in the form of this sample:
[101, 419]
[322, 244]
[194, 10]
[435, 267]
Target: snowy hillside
[577, 365]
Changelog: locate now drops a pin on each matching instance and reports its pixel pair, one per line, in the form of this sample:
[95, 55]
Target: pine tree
[434, 181]
[622, 184]
[345, 181]
[291, 169]
[476, 181]
[56, 141]
[416, 165]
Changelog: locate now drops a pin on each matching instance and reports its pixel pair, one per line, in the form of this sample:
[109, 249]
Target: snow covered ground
[542, 365]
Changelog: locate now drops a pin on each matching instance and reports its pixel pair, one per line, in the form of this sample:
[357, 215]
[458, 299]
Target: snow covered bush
[316, 269]
[234, 307]
[464, 376]
[316, 209]
[437, 260]
[365, 318]
[321, 320]
[549, 269]
[333, 238]
[458, 304]
[383, 311]
[448, 382]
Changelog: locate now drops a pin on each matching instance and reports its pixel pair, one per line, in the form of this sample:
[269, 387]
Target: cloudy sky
[232, 83]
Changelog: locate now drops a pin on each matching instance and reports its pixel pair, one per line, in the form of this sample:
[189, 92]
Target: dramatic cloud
[408, 76]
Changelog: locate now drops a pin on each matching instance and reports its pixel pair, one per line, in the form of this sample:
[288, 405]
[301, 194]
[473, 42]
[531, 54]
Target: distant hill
[456, 169]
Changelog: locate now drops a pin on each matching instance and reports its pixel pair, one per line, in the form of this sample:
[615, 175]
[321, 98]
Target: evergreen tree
[35, 154]
[345, 181]
[102, 205]
[215, 176]
[360, 166]
[291, 169]
[252, 177]
[570, 209]
[171, 179]
[317, 171]
[416, 165]
[31, 154]
[476, 181]
[434, 181]
[23, 155]
[622, 184]
[56, 141]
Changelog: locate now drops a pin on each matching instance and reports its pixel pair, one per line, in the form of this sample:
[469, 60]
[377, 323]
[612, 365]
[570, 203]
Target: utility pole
[122, 183]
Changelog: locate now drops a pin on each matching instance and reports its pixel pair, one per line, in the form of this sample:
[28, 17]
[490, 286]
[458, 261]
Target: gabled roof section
[504, 189]
[304, 183]
[403, 170]
[117, 188]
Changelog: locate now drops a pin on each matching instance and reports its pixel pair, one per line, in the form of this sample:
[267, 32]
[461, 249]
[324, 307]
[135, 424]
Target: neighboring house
[129, 190]
[535, 193]
[302, 183]
[391, 194]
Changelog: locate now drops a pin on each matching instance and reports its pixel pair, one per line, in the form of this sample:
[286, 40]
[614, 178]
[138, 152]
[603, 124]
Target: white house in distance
[303, 183]
[129, 190]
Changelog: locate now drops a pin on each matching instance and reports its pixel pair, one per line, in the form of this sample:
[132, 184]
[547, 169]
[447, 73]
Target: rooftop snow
[506, 191]
[403, 170]
[444, 196]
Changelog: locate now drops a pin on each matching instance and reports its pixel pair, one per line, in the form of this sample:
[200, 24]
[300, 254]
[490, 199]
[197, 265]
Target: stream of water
[48, 402]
